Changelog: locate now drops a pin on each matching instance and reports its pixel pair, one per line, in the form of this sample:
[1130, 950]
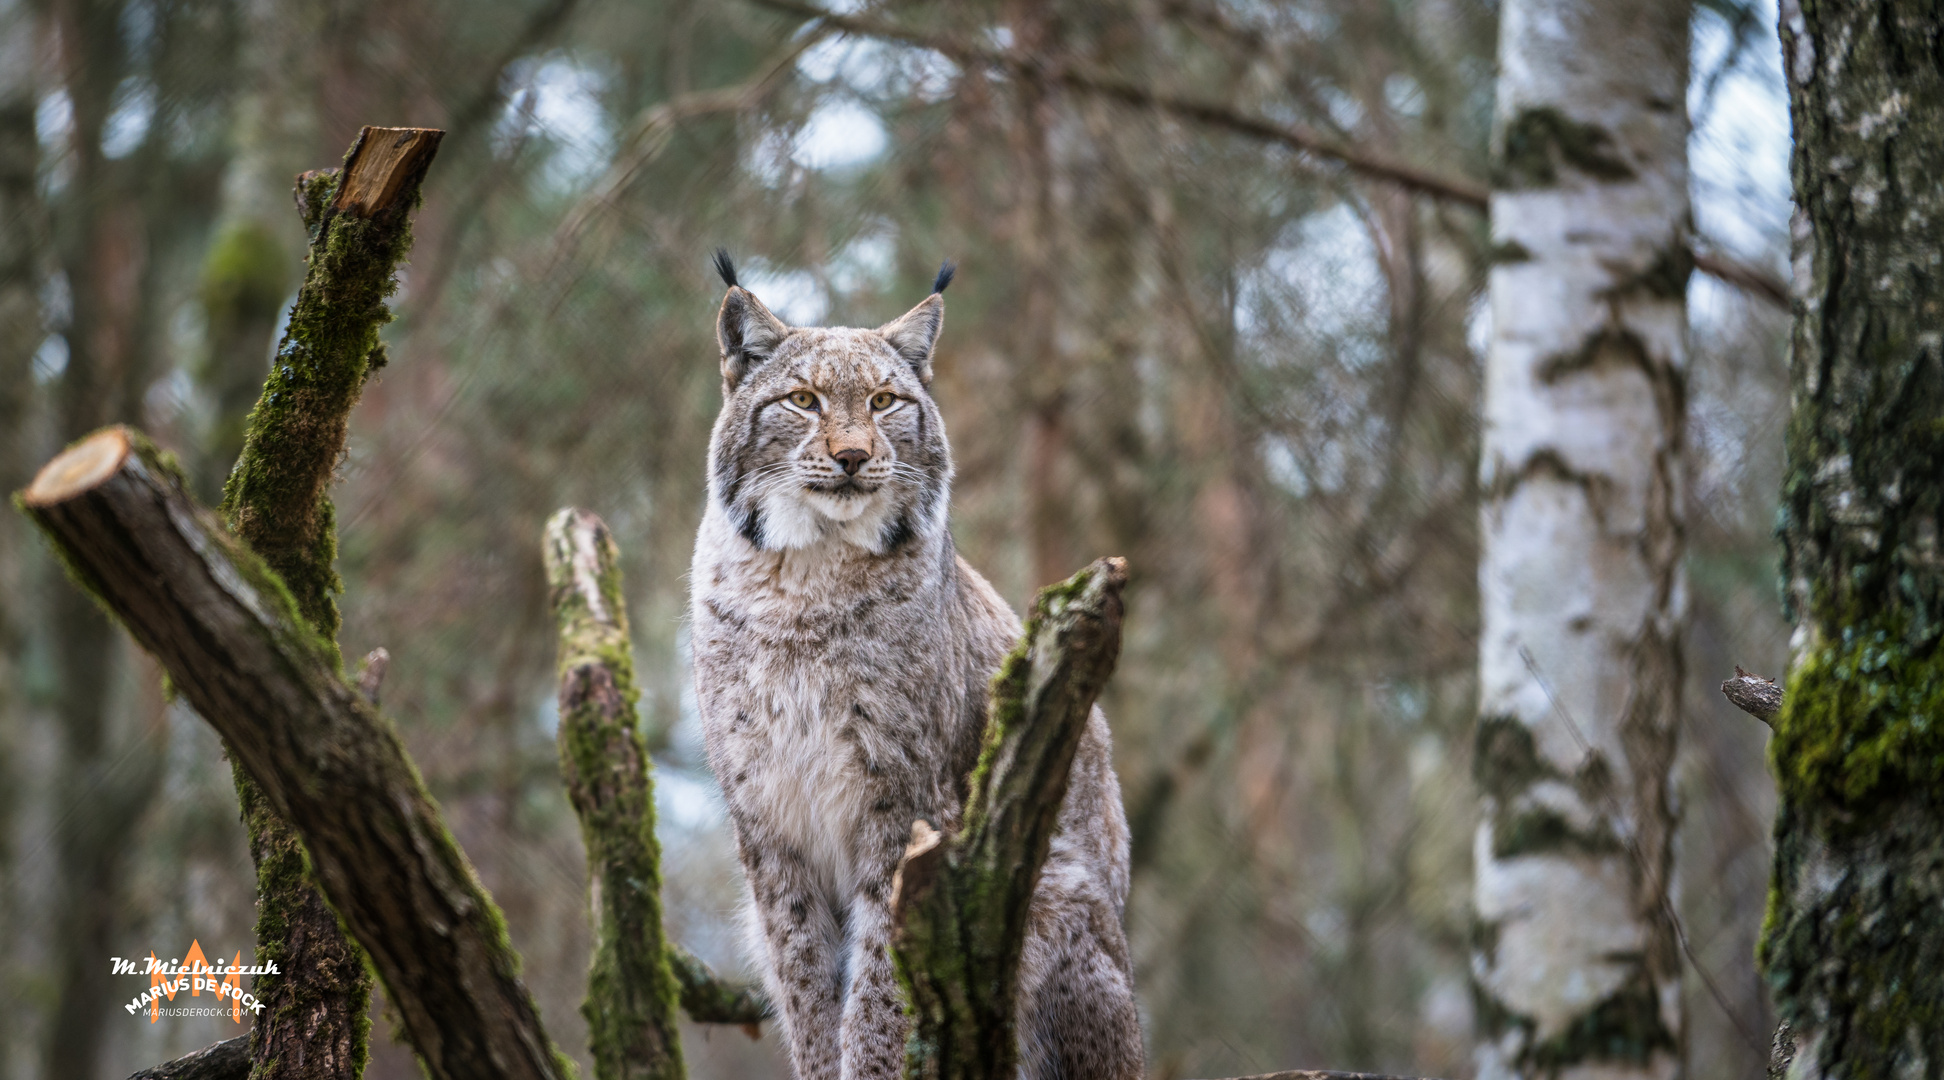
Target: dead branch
[960, 904]
[1754, 695]
[229, 634]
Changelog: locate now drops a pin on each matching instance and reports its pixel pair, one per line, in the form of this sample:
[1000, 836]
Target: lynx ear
[747, 332]
[915, 333]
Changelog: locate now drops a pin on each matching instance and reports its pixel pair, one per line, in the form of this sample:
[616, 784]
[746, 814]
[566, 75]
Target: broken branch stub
[230, 635]
[1758, 697]
[960, 903]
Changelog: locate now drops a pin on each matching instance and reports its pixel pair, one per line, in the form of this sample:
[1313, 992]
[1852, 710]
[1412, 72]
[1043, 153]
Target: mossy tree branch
[631, 988]
[314, 1025]
[960, 902]
[235, 645]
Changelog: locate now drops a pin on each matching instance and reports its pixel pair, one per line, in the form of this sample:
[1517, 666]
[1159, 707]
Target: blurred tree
[22, 255]
[1850, 944]
[1581, 586]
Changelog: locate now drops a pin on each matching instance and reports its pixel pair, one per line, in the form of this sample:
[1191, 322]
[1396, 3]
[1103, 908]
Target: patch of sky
[867, 261]
[54, 120]
[1344, 109]
[1738, 151]
[130, 112]
[51, 358]
[878, 69]
[558, 99]
[839, 133]
[686, 799]
[794, 295]
[1403, 94]
[1322, 280]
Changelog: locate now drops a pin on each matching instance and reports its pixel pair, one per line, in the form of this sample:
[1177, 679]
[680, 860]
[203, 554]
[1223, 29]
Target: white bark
[1581, 588]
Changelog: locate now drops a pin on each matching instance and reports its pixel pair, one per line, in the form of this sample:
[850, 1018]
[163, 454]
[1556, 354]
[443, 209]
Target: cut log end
[383, 164]
[80, 468]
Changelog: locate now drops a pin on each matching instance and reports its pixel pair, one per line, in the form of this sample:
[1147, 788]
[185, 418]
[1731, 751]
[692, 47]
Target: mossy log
[960, 902]
[230, 635]
[631, 987]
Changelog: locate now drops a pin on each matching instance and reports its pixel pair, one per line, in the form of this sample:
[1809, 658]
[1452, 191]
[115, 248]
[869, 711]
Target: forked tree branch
[1465, 192]
[959, 903]
[229, 634]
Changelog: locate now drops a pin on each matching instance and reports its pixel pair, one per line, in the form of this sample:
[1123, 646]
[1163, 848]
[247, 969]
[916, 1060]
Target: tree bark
[1576, 961]
[631, 987]
[960, 902]
[235, 645]
[1850, 944]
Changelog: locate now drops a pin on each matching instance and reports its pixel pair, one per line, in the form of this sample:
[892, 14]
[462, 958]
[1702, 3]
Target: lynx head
[828, 433]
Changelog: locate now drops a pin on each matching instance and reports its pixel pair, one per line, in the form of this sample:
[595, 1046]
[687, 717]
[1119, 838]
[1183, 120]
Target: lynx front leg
[802, 944]
[874, 1019]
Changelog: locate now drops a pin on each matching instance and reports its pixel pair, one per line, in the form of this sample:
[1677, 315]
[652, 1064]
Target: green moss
[276, 497]
[1863, 716]
[1538, 142]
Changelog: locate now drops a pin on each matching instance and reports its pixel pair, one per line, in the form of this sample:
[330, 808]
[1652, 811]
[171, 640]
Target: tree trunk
[1850, 943]
[1576, 963]
[237, 648]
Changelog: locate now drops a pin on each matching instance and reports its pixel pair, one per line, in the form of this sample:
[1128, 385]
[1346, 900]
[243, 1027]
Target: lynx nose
[851, 459]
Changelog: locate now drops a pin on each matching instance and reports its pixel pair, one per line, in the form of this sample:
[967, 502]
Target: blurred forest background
[1247, 370]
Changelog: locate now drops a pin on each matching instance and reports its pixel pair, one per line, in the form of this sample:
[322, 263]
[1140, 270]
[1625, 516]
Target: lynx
[842, 655]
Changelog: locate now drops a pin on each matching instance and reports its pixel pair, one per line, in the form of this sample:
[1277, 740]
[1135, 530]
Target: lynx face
[828, 433]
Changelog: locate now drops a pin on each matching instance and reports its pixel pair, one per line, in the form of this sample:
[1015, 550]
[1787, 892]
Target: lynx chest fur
[842, 656]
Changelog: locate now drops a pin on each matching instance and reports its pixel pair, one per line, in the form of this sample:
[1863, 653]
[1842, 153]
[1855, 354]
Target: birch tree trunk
[1576, 962]
[1850, 944]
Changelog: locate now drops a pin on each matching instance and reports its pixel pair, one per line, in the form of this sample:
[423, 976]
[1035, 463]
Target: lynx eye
[883, 400]
[804, 399]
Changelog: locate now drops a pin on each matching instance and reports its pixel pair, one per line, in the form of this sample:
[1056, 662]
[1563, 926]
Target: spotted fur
[843, 652]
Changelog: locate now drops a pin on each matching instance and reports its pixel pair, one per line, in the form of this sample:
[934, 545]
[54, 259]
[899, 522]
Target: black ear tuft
[944, 278]
[727, 268]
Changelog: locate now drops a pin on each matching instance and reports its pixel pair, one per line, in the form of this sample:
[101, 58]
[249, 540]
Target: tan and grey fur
[842, 656]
